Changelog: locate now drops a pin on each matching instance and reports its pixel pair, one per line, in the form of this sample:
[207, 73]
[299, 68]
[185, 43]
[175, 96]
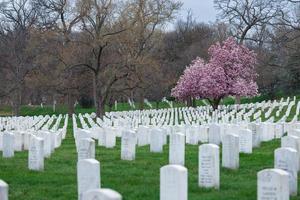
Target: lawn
[135, 180]
[62, 109]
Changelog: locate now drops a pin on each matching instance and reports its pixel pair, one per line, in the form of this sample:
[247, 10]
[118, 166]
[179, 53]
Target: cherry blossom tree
[230, 70]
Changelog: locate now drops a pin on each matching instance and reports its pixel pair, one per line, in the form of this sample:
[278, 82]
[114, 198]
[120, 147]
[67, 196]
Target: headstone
[294, 132]
[86, 148]
[287, 159]
[101, 137]
[101, 194]
[19, 141]
[214, 134]
[128, 145]
[88, 176]
[192, 135]
[173, 183]
[255, 135]
[230, 151]
[245, 141]
[3, 190]
[1, 140]
[177, 149]
[8, 145]
[110, 138]
[262, 131]
[292, 142]
[279, 130]
[53, 138]
[26, 141]
[203, 134]
[47, 143]
[58, 138]
[79, 134]
[36, 154]
[156, 140]
[209, 166]
[272, 184]
[143, 135]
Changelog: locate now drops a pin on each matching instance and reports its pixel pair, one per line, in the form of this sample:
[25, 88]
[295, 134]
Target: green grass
[135, 180]
[62, 109]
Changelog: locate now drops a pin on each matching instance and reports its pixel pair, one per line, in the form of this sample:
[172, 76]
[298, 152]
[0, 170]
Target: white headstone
[192, 135]
[101, 137]
[86, 148]
[3, 190]
[209, 166]
[26, 141]
[128, 145]
[173, 183]
[36, 154]
[19, 141]
[245, 141]
[47, 143]
[230, 151]
[292, 142]
[294, 132]
[156, 140]
[88, 176]
[101, 194]
[287, 159]
[272, 184]
[79, 134]
[8, 145]
[1, 140]
[177, 149]
[110, 138]
[214, 134]
[143, 135]
[255, 134]
[279, 131]
[203, 134]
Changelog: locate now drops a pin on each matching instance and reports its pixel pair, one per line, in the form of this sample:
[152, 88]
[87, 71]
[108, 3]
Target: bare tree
[60, 19]
[246, 17]
[140, 41]
[18, 19]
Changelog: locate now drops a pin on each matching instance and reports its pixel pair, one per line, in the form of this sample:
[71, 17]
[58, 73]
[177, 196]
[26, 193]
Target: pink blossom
[230, 70]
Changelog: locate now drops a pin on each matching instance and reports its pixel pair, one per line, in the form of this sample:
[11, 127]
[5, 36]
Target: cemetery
[149, 100]
[247, 151]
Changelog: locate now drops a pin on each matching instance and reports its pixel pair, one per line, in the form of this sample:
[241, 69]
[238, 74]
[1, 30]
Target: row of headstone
[39, 143]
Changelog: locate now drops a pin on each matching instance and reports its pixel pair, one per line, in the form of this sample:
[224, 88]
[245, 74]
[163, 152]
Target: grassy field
[135, 180]
[62, 109]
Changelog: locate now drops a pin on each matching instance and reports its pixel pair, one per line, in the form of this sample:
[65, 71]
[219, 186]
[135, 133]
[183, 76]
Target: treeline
[100, 51]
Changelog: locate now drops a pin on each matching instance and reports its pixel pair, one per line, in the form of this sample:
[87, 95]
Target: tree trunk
[99, 102]
[214, 103]
[194, 103]
[71, 102]
[17, 101]
[95, 90]
[189, 102]
[141, 100]
[100, 108]
[237, 100]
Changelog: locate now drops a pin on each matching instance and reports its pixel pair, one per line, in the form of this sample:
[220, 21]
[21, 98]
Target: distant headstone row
[40, 136]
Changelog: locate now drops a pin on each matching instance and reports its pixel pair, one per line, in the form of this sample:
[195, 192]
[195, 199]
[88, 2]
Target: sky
[203, 10]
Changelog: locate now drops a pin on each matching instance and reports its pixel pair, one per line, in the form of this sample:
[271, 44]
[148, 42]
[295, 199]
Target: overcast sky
[203, 10]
